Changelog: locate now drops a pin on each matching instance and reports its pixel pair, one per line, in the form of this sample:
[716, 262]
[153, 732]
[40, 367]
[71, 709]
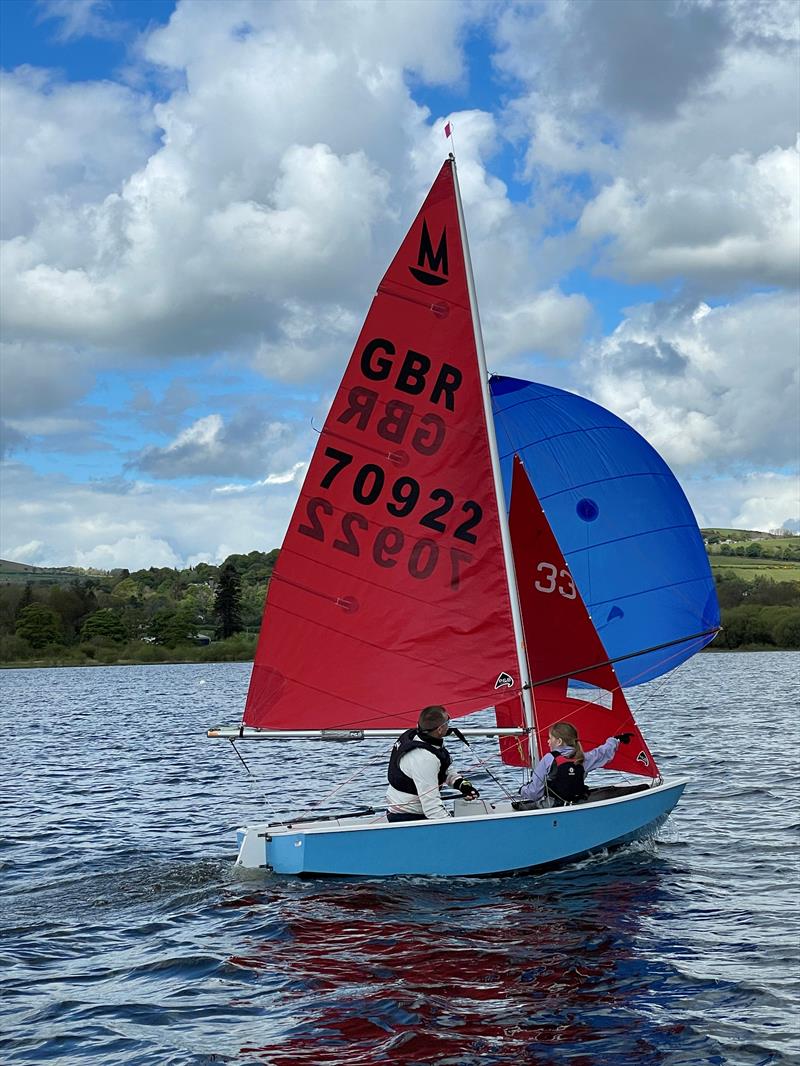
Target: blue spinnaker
[621, 519]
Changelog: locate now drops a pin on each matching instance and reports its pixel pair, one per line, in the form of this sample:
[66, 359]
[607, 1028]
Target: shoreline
[40, 664]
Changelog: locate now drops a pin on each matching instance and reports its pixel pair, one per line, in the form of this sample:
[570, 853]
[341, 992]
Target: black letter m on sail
[435, 260]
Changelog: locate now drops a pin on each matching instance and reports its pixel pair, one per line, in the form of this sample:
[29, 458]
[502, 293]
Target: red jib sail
[562, 641]
[390, 591]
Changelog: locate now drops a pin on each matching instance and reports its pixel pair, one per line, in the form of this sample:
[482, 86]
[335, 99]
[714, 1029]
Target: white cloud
[135, 553]
[32, 553]
[286, 477]
[80, 18]
[66, 146]
[732, 220]
[549, 323]
[762, 501]
[250, 209]
[260, 194]
[260, 244]
[42, 378]
[680, 119]
[248, 444]
[706, 386]
[140, 525]
[418, 35]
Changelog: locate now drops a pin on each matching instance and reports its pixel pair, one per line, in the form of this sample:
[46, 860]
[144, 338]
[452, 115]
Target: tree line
[758, 613]
[757, 550]
[159, 614]
[209, 613]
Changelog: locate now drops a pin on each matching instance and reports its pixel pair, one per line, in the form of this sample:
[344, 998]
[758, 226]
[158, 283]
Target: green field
[750, 569]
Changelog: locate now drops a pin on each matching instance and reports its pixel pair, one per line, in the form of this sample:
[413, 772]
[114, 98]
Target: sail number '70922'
[401, 497]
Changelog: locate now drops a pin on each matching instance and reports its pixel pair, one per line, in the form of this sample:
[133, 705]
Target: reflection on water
[480, 968]
[126, 937]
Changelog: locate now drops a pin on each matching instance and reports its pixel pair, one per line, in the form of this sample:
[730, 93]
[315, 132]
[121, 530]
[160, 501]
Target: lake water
[126, 937]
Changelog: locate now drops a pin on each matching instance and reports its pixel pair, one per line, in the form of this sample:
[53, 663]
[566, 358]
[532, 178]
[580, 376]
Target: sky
[197, 200]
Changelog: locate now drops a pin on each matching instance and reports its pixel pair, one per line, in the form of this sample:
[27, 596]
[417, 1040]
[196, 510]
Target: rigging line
[662, 662]
[619, 688]
[241, 758]
[629, 655]
[482, 762]
[309, 809]
[260, 788]
[664, 680]
[323, 799]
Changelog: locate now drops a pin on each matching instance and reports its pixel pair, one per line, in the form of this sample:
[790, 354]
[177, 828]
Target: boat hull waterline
[468, 845]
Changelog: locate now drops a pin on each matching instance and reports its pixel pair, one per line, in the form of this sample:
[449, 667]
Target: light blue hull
[481, 839]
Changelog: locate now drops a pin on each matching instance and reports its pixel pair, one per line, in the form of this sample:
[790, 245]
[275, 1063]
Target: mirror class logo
[504, 680]
[435, 262]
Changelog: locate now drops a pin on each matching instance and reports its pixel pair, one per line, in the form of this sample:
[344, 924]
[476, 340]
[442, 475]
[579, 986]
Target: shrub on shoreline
[15, 652]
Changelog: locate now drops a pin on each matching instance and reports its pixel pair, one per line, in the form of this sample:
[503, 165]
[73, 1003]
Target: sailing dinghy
[405, 581]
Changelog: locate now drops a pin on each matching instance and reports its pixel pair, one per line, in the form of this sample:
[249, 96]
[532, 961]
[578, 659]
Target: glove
[623, 738]
[466, 788]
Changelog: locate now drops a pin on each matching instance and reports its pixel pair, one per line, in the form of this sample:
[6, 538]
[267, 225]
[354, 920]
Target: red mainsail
[562, 641]
[390, 590]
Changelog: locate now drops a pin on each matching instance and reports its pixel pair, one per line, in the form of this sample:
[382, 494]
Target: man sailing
[418, 767]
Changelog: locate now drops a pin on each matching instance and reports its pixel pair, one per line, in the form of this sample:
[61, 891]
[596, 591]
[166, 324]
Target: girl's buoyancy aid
[565, 779]
[406, 742]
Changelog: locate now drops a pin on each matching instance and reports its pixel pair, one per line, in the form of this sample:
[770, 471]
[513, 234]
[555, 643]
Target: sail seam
[630, 536]
[586, 430]
[581, 485]
[388, 651]
[452, 612]
[645, 592]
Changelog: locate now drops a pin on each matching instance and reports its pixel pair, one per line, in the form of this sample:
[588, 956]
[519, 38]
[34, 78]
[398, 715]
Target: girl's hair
[568, 735]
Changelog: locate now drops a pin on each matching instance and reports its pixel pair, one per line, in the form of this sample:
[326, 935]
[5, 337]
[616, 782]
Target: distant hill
[6, 566]
[715, 537]
[12, 573]
[748, 534]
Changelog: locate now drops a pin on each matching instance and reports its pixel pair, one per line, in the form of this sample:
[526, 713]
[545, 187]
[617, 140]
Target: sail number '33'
[554, 579]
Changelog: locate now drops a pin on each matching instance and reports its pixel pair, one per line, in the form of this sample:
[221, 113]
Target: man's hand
[623, 738]
[467, 789]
